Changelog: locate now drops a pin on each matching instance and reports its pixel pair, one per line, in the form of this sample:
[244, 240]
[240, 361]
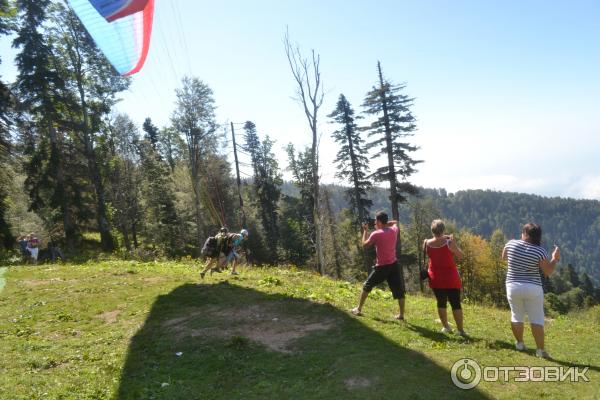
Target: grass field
[128, 330]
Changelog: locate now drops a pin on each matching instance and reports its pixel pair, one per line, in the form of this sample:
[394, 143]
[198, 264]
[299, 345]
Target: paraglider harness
[214, 245]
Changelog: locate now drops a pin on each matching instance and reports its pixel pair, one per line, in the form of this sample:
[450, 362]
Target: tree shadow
[504, 345]
[437, 336]
[223, 341]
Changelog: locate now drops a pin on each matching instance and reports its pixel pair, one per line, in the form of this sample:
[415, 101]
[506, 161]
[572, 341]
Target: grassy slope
[112, 330]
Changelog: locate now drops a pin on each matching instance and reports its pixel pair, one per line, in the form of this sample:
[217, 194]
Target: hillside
[572, 224]
[128, 330]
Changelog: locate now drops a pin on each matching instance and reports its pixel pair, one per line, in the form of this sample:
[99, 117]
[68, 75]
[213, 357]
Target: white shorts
[34, 252]
[526, 298]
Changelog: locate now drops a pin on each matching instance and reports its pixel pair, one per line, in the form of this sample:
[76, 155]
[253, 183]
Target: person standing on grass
[22, 240]
[384, 238]
[443, 274]
[524, 284]
[33, 244]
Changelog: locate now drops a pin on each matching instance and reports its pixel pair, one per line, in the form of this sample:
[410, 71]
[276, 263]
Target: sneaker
[446, 330]
[520, 346]
[462, 334]
[541, 353]
[356, 311]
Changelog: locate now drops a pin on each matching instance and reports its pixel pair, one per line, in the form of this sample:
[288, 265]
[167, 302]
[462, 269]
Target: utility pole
[239, 181]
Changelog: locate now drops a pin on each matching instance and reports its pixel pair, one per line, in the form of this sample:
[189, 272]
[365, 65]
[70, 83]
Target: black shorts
[394, 276]
[445, 295]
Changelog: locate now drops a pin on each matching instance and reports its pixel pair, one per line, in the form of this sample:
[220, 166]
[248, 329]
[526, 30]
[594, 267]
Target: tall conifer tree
[40, 88]
[394, 124]
[352, 162]
[267, 182]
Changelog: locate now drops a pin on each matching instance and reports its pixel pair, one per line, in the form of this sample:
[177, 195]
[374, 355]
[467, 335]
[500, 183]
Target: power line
[166, 48]
[179, 23]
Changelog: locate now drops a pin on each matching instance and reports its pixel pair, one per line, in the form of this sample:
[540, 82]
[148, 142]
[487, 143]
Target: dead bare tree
[309, 92]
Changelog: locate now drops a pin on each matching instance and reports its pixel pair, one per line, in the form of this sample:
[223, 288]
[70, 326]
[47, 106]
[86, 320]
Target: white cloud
[587, 187]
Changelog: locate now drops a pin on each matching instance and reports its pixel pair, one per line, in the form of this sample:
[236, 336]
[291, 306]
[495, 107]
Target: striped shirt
[524, 262]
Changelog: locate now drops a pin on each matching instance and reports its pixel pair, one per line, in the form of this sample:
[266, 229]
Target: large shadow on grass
[223, 341]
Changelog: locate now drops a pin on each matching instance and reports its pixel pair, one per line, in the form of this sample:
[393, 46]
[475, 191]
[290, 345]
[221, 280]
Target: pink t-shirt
[385, 245]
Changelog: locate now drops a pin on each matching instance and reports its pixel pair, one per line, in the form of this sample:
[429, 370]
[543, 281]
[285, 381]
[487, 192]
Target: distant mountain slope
[572, 224]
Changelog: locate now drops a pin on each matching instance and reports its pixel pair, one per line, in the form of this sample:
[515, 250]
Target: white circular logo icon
[466, 373]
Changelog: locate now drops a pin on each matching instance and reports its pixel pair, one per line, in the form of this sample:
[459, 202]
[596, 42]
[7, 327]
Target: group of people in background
[29, 246]
[525, 257]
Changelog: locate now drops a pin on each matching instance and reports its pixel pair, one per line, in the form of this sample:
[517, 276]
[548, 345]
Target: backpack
[228, 243]
[211, 247]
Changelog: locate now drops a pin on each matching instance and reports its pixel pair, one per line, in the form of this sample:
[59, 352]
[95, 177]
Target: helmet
[244, 232]
[223, 230]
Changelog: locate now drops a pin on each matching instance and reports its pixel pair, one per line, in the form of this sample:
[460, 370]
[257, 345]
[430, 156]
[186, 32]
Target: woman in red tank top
[443, 274]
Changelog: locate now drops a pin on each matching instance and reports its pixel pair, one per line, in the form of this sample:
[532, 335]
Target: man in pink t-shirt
[384, 238]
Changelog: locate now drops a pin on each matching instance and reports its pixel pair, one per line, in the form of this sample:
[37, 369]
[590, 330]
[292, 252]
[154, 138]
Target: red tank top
[443, 273]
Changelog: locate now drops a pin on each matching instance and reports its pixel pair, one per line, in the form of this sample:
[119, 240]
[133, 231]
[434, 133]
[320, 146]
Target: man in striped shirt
[524, 290]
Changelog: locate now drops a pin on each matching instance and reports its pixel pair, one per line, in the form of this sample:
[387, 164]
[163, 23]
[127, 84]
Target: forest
[82, 175]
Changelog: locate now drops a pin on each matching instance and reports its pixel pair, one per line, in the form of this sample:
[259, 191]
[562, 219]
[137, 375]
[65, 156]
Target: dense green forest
[572, 224]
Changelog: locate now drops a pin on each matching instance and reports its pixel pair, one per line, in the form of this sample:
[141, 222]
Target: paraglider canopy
[120, 28]
[114, 9]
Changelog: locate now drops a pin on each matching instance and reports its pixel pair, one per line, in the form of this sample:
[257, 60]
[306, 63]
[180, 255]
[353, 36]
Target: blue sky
[506, 93]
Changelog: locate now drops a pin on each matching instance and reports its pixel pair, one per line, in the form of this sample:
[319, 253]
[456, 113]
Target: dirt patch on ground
[34, 283]
[42, 282]
[153, 279]
[109, 317]
[263, 324]
[358, 382]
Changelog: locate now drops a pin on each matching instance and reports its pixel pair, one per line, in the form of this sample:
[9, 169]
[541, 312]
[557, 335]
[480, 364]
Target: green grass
[128, 330]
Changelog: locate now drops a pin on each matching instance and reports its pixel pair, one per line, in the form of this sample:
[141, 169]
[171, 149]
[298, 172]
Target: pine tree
[300, 167]
[92, 87]
[352, 162]
[6, 107]
[570, 275]
[586, 284]
[304, 227]
[40, 89]
[152, 132]
[267, 182]
[394, 124]
[162, 223]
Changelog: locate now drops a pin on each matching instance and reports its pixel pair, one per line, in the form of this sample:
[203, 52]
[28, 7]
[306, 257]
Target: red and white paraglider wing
[120, 28]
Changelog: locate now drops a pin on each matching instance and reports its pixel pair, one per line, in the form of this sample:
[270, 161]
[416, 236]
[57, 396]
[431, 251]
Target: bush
[554, 304]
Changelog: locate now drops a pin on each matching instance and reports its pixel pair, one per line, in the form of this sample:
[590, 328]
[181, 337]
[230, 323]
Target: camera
[370, 222]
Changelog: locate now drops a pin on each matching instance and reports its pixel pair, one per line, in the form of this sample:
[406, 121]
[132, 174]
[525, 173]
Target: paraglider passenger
[234, 242]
